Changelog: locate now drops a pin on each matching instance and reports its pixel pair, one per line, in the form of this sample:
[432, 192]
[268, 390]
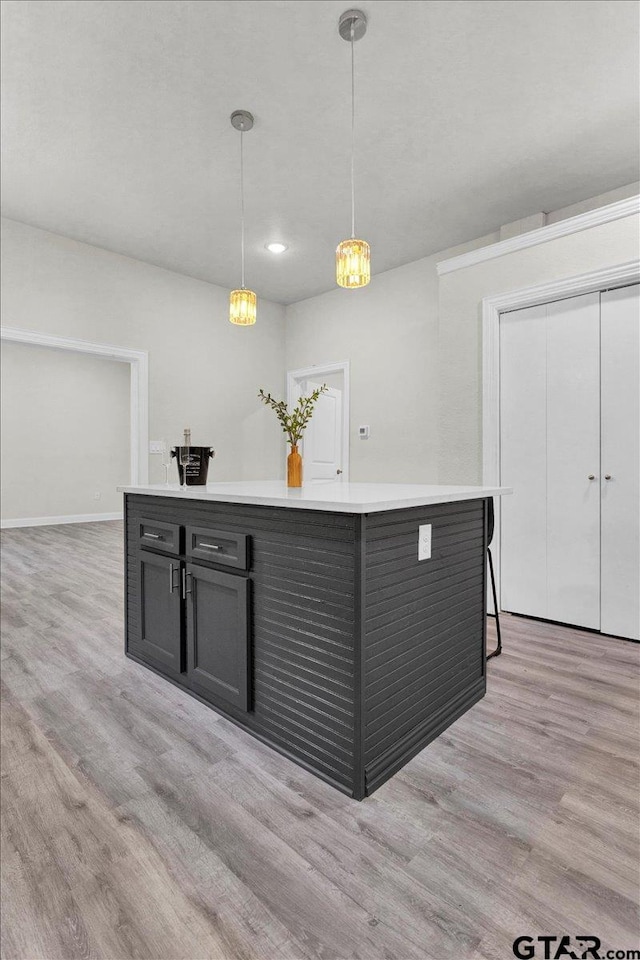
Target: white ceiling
[471, 114]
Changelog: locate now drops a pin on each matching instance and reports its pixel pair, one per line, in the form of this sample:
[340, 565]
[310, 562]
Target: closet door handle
[591, 476]
[607, 476]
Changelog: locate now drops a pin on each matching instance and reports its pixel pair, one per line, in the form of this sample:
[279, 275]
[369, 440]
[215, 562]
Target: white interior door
[573, 456]
[322, 443]
[620, 570]
[550, 445]
[523, 455]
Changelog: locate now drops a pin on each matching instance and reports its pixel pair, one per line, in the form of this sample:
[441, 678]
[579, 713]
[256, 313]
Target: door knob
[338, 471]
[591, 476]
[607, 476]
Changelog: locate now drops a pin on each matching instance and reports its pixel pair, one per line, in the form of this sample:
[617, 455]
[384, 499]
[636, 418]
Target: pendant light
[242, 302]
[353, 256]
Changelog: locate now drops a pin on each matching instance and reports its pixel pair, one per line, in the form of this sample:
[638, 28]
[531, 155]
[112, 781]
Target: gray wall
[460, 342]
[203, 372]
[389, 332]
[413, 341]
[415, 347]
[65, 432]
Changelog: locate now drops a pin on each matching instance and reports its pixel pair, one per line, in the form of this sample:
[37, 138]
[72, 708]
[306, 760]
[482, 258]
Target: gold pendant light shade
[353, 263]
[242, 307]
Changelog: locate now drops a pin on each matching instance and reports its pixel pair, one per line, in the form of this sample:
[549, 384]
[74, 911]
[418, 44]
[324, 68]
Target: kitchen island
[341, 623]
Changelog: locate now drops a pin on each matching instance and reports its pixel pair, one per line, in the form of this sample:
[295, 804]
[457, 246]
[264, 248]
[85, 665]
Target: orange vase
[294, 468]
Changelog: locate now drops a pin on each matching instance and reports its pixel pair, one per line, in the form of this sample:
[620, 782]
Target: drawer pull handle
[211, 546]
[153, 536]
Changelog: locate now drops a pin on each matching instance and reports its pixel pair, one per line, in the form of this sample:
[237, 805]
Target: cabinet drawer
[157, 535]
[218, 546]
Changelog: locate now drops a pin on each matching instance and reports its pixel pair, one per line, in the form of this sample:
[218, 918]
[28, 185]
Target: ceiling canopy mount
[355, 19]
[242, 120]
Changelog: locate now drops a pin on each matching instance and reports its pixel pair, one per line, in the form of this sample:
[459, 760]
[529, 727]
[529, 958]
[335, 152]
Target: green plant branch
[295, 423]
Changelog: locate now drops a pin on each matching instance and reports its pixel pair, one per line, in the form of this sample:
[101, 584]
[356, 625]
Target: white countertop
[332, 495]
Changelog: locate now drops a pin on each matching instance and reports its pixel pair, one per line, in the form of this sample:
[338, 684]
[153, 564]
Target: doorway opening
[137, 417]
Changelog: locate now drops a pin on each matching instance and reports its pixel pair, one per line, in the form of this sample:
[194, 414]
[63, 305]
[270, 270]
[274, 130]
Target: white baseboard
[55, 521]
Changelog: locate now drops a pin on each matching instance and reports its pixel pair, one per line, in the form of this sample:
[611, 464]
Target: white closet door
[573, 455]
[523, 428]
[620, 574]
[550, 445]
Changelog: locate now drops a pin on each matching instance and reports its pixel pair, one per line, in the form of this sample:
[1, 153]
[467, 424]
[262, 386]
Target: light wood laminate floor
[139, 823]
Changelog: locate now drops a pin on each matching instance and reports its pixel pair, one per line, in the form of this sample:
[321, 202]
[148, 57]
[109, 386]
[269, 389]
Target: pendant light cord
[242, 203]
[353, 137]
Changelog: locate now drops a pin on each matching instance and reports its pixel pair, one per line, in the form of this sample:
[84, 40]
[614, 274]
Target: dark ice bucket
[196, 466]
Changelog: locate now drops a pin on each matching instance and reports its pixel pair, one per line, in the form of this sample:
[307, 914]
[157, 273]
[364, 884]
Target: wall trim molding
[619, 275]
[563, 228]
[318, 369]
[57, 521]
[139, 388]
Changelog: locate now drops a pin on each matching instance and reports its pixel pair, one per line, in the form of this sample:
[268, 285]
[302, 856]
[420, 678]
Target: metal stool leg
[498, 650]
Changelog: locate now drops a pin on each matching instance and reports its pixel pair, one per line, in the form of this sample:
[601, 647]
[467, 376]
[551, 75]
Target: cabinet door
[161, 639]
[218, 635]
[620, 337]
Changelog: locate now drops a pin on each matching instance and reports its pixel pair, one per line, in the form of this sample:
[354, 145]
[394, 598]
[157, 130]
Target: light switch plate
[156, 446]
[424, 541]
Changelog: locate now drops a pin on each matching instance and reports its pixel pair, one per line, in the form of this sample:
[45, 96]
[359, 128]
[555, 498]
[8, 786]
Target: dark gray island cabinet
[343, 624]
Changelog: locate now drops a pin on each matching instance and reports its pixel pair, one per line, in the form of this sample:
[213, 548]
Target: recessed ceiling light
[276, 247]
